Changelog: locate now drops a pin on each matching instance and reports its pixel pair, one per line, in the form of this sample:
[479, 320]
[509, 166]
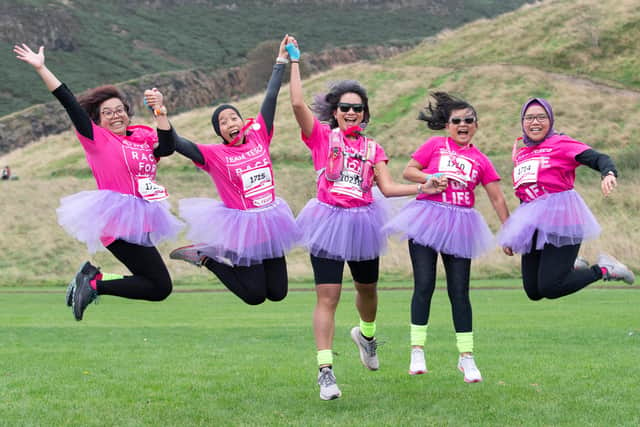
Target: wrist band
[281, 60]
[419, 188]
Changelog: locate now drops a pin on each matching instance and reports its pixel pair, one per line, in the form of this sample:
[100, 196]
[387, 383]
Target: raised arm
[79, 117]
[302, 112]
[268, 108]
[189, 150]
[166, 135]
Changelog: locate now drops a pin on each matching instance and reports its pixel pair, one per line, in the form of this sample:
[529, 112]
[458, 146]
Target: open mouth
[463, 132]
[234, 133]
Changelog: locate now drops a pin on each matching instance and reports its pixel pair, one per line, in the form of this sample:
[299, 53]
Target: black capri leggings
[327, 270]
[423, 259]
[549, 273]
[256, 283]
[150, 280]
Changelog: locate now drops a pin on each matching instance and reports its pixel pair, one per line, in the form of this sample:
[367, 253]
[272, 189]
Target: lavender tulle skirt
[99, 217]
[245, 237]
[346, 234]
[561, 219]
[446, 228]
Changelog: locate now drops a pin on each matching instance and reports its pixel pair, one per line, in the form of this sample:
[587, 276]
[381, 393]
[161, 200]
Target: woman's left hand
[607, 185]
[154, 98]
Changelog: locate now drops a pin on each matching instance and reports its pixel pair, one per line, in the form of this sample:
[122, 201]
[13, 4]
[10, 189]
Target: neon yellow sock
[464, 340]
[418, 334]
[110, 276]
[368, 329]
[325, 357]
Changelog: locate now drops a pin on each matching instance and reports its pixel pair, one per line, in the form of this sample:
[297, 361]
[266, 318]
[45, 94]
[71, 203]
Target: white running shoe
[190, 254]
[418, 365]
[581, 263]
[468, 367]
[327, 381]
[615, 269]
[367, 349]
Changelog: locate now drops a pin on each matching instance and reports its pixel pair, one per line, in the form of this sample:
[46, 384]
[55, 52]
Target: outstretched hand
[25, 54]
[607, 185]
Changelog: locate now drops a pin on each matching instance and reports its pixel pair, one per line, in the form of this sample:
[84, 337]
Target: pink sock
[94, 282]
[604, 271]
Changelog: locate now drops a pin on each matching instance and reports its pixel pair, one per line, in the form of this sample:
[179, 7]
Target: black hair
[437, 114]
[325, 105]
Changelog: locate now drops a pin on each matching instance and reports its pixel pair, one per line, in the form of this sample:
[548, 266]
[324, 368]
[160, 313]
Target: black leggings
[549, 273]
[150, 280]
[256, 283]
[423, 259]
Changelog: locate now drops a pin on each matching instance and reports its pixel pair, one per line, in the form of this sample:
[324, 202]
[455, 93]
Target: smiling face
[459, 130]
[536, 122]
[230, 124]
[113, 116]
[349, 118]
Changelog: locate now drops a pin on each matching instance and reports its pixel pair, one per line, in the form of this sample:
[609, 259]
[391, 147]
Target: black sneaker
[82, 294]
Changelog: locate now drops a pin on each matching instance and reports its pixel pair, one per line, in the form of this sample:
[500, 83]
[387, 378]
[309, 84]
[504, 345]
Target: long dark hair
[438, 113]
[325, 105]
[92, 100]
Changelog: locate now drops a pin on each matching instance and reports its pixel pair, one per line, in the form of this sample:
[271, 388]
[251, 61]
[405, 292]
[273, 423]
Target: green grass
[208, 359]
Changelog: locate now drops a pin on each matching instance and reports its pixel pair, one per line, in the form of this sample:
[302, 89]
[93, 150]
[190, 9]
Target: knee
[254, 299]
[163, 289]
[277, 297]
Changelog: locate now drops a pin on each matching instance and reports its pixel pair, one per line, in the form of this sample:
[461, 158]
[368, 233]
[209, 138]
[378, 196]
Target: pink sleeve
[381, 156]
[423, 154]
[318, 142]
[489, 172]
[572, 147]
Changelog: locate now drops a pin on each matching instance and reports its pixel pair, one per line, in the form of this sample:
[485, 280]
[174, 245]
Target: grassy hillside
[596, 113]
[92, 43]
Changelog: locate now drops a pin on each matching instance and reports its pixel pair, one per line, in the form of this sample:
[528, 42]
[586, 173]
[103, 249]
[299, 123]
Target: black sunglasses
[345, 107]
[458, 120]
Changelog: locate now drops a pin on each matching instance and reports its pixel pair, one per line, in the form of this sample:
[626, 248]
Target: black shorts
[327, 270]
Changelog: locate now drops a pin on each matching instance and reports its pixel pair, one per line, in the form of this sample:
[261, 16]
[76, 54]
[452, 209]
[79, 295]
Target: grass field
[207, 359]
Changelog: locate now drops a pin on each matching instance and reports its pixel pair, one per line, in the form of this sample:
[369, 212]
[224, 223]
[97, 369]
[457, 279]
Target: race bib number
[458, 169]
[526, 173]
[256, 181]
[150, 191]
[348, 184]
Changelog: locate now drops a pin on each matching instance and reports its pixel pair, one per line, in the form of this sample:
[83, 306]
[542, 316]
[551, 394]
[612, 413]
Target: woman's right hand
[25, 54]
[293, 49]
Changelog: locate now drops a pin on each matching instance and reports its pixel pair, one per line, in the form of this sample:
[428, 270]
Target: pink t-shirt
[125, 164]
[345, 192]
[548, 167]
[466, 167]
[242, 174]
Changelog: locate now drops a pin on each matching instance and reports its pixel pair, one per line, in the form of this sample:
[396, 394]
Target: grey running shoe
[83, 294]
[190, 254]
[581, 264]
[467, 366]
[615, 269]
[418, 365]
[327, 381]
[367, 349]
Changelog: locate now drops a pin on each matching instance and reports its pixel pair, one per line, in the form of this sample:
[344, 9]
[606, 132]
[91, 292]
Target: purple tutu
[99, 217]
[561, 219]
[446, 228]
[346, 234]
[245, 237]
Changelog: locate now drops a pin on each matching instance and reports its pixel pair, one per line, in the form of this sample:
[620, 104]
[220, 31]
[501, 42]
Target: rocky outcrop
[186, 89]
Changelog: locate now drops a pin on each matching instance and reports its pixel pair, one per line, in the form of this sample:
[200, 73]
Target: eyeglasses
[458, 120]
[345, 107]
[107, 113]
[531, 117]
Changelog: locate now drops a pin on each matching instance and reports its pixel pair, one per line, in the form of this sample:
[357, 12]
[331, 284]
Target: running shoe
[83, 294]
[327, 381]
[367, 349]
[467, 366]
[418, 365]
[581, 264]
[190, 254]
[615, 269]
[72, 284]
